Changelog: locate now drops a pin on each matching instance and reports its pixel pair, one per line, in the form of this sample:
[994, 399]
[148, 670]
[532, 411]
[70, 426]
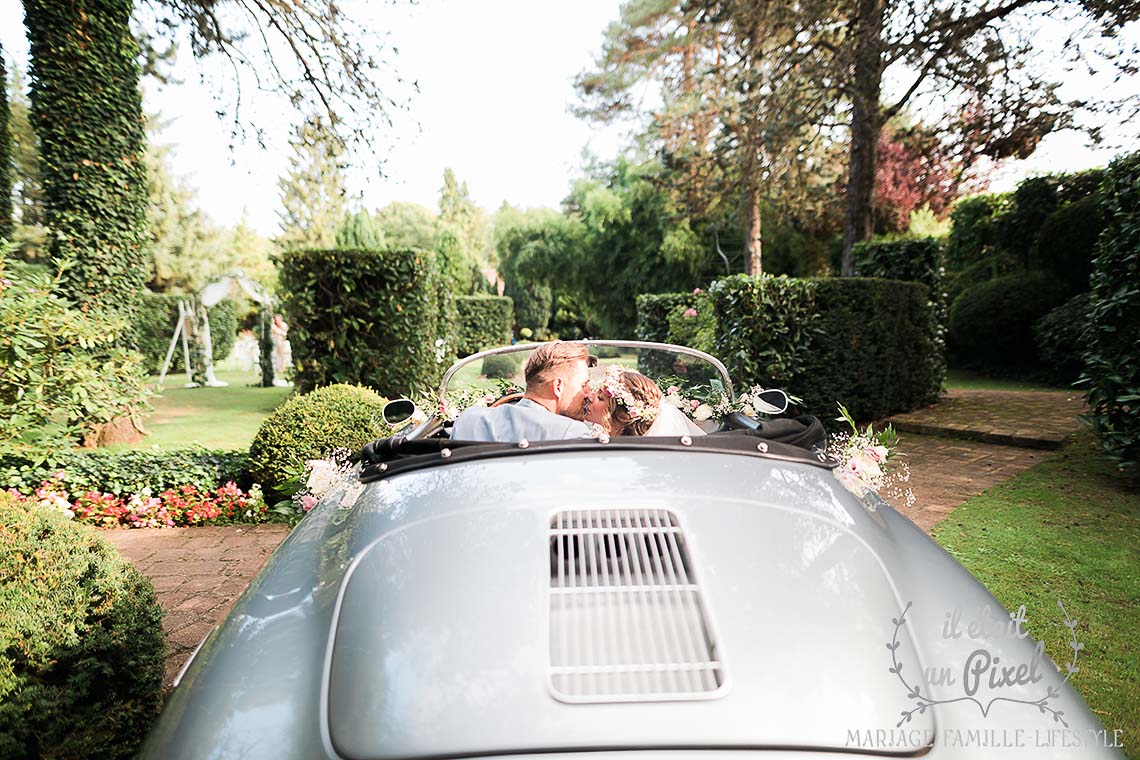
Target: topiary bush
[1066, 243]
[484, 322]
[312, 426]
[996, 265]
[976, 231]
[1061, 337]
[376, 318]
[81, 647]
[501, 366]
[991, 324]
[1113, 355]
[128, 471]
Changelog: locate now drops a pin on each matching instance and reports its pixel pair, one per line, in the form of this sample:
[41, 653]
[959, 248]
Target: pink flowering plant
[869, 460]
[174, 507]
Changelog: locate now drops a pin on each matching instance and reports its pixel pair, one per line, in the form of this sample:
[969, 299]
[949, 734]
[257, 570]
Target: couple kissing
[559, 403]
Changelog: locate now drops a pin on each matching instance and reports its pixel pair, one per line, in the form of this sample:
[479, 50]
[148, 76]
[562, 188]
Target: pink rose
[697, 290]
[307, 503]
[690, 313]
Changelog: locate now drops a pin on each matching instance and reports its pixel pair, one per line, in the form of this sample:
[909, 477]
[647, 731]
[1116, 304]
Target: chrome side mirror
[771, 401]
[398, 411]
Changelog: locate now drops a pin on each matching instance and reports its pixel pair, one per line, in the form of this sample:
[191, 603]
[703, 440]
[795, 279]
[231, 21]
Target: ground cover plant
[1067, 529]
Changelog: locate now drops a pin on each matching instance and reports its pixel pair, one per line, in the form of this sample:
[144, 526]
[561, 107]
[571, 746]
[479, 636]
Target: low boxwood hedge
[484, 322]
[312, 426]
[81, 647]
[127, 472]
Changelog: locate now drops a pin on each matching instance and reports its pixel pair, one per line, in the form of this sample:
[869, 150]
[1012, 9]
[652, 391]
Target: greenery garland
[87, 111]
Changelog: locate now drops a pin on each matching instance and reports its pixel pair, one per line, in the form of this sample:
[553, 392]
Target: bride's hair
[645, 392]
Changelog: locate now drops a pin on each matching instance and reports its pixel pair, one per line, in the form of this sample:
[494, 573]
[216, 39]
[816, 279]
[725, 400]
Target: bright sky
[495, 80]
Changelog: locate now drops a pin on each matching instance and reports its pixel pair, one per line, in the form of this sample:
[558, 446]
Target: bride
[627, 402]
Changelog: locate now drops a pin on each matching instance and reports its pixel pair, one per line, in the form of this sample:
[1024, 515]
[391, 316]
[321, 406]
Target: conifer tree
[312, 192]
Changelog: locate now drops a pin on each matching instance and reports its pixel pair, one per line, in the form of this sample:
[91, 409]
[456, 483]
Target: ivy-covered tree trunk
[87, 111]
[5, 156]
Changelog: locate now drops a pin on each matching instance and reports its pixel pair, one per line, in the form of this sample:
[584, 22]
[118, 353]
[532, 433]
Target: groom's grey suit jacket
[511, 422]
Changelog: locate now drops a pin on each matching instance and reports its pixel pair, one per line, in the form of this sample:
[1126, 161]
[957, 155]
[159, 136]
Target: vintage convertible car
[705, 597]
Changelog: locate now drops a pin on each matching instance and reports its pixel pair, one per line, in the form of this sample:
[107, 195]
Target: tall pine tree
[312, 192]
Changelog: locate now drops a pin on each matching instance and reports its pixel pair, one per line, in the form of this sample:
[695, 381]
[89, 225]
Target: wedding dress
[672, 422]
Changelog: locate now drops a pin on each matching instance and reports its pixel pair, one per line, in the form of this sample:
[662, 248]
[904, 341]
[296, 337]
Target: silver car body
[431, 613]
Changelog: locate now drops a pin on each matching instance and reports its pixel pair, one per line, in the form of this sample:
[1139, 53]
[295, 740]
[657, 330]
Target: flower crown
[613, 387]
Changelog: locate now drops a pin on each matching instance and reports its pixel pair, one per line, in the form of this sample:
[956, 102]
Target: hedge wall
[654, 311]
[129, 471]
[87, 113]
[81, 646]
[1112, 359]
[484, 322]
[870, 344]
[912, 260]
[382, 319]
[159, 316]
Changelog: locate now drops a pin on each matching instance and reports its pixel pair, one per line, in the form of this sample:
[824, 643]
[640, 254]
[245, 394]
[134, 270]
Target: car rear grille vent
[627, 618]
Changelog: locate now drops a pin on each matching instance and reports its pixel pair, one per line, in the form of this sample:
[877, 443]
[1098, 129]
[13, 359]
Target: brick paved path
[199, 572]
[1031, 419]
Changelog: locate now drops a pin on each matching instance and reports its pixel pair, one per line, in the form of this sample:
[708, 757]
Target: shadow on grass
[1067, 529]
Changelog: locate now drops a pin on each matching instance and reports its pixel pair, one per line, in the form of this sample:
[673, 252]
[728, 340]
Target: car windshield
[693, 374]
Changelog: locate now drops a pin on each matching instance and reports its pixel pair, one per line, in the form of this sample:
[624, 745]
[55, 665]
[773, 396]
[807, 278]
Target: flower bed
[171, 508]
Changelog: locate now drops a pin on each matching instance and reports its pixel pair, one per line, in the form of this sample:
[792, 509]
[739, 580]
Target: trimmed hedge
[484, 322]
[1061, 337]
[312, 426]
[976, 230]
[129, 471]
[868, 343]
[81, 646]
[1113, 355]
[991, 324]
[876, 349]
[1066, 244]
[383, 319]
[765, 326]
[159, 316]
[501, 366]
[912, 260]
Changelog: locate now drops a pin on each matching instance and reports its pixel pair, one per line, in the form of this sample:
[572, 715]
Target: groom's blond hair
[551, 358]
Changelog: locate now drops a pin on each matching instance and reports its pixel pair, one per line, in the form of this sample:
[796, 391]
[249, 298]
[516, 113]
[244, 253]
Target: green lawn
[1067, 529]
[962, 379]
[218, 418]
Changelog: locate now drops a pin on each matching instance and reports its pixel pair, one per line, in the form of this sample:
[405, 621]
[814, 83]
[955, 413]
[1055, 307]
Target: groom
[557, 381]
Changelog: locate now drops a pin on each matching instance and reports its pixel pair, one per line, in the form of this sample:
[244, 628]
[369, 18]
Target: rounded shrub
[312, 426]
[81, 647]
[1061, 337]
[991, 324]
[1067, 242]
[501, 366]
